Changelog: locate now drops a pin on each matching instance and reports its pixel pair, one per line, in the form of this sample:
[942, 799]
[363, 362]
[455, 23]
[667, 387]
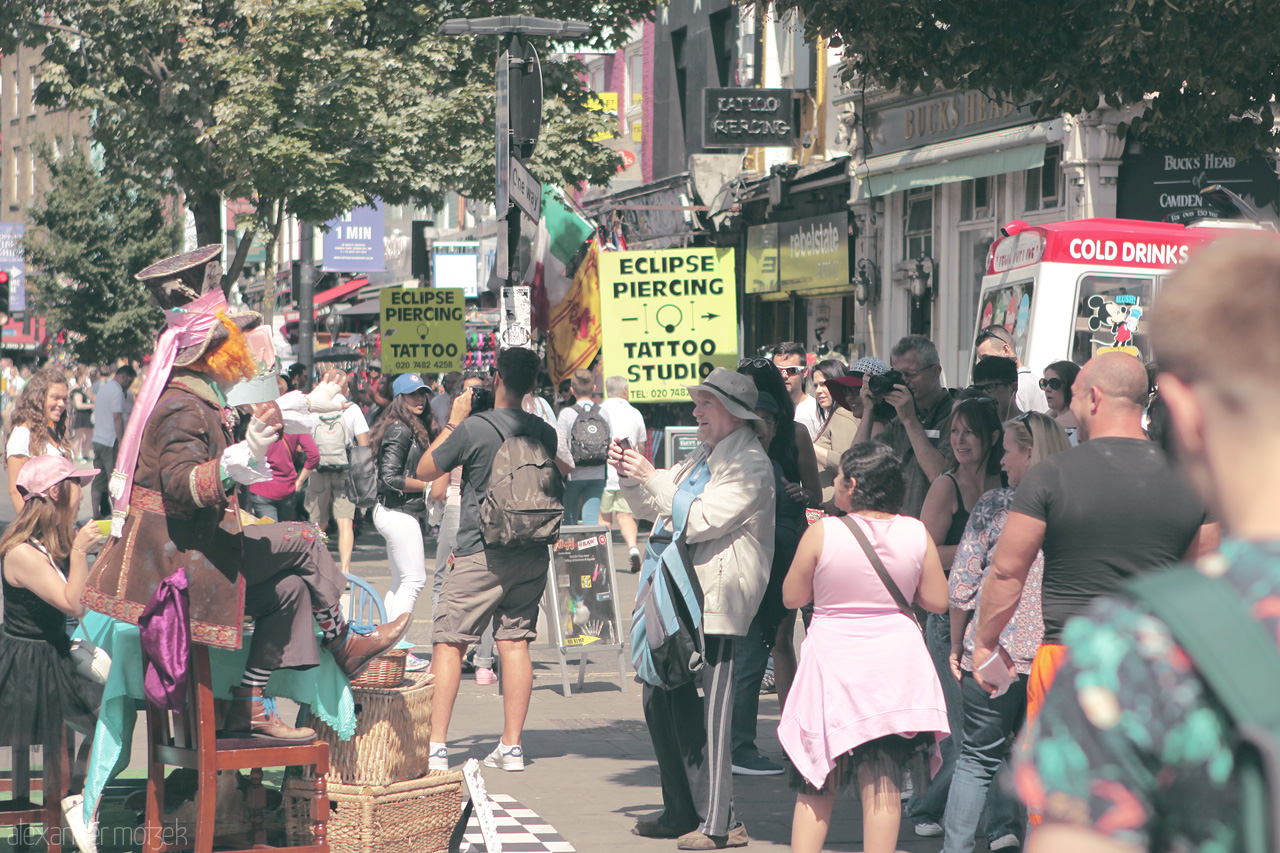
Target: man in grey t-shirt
[487, 584]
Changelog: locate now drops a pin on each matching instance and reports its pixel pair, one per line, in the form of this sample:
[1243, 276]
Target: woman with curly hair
[40, 424]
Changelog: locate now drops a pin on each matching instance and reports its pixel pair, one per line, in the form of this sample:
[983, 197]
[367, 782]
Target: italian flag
[561, 233]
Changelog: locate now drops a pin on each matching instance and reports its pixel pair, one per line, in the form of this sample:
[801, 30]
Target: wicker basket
[417, 816]
[386, 670]
[393, 734]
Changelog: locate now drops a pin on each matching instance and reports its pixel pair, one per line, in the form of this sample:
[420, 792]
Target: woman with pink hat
[43, 567]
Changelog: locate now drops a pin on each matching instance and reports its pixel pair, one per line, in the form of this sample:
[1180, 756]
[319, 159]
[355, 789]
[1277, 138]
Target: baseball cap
[407, 384]
[42, 473]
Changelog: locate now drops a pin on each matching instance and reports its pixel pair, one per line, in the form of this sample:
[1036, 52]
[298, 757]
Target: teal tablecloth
[324, 688]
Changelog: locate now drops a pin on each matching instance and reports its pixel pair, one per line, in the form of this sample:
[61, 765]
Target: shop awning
[951, 171]
[333, 294]
[365, 306]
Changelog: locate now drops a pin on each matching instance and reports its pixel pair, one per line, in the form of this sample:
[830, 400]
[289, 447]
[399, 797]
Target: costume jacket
[180, 516]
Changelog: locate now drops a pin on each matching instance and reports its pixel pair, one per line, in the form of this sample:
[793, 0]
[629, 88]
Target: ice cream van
[1072, 290]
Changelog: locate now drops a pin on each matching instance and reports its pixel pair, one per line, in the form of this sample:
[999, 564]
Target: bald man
[1102, 512]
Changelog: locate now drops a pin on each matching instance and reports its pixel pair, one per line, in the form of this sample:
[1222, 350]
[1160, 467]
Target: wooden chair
[18, 811]
[188, 739]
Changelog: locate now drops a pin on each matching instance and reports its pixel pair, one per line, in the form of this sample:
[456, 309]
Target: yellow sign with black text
[669, 318]
[422, 329]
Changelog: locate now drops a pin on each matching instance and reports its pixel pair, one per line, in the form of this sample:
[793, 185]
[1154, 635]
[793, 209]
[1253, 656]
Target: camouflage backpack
[525, 501]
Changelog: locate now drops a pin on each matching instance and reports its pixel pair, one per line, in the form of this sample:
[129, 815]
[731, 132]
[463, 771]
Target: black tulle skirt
[39, 690]
[890, 758]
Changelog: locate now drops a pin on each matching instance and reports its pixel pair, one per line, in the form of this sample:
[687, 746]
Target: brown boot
[253, 712]
[354, 652]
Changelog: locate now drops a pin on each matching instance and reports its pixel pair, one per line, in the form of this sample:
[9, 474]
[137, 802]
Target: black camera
[883, 383]
[481, 399]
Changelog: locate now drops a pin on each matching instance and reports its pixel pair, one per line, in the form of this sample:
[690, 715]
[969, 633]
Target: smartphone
[996, 673]
[624, 443]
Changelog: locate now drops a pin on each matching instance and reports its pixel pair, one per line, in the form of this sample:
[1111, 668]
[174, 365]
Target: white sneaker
[506, 757]
[413, 663]
[85, 835]
[439, 759]
[1004, 842]
[928, 830]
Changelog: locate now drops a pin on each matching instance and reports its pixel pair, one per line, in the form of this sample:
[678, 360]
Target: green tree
[87, 238]
[304, 107]
[1211, 68]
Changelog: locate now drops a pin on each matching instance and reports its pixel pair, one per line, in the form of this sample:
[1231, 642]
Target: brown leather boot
[253, 712]
[354, 652]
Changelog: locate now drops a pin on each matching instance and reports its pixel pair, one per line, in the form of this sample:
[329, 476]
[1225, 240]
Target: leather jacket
[398, 457]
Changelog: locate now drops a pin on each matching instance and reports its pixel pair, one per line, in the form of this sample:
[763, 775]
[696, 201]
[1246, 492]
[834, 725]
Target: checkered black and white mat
[520, 830]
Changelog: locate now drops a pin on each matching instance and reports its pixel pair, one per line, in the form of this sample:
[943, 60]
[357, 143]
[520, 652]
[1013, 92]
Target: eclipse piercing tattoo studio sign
[748, 118]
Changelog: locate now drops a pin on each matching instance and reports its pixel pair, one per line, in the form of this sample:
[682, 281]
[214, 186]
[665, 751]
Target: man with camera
[922, 405]
[502, 585]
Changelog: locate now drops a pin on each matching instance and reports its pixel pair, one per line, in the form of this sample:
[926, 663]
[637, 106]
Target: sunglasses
[755, 362]
[1054, 384]
[793, 370]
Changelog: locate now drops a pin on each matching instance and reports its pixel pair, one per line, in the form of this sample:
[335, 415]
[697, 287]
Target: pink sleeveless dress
[864, 670]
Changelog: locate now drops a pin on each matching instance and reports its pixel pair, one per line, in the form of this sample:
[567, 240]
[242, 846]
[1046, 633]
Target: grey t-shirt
[473, 445]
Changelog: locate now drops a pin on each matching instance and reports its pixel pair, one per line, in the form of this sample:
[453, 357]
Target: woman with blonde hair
[991, 722]
[40, 424]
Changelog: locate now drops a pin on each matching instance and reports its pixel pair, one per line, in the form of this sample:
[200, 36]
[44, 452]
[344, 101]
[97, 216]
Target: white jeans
[406, 557]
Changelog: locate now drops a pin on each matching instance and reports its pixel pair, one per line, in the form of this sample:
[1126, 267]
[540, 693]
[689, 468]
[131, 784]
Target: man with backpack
[583, 447]
[512, 505]
[327, 496]
[1149, 735]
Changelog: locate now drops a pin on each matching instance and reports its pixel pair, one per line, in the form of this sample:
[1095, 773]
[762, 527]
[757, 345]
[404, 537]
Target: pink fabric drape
[166, 643]
[186, 327]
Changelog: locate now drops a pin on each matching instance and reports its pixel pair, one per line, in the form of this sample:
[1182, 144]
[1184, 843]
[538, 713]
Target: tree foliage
[305, 107]
[1210, 67]
[86, 239]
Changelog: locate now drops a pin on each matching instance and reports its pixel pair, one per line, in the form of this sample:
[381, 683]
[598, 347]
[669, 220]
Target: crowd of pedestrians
[958, 559]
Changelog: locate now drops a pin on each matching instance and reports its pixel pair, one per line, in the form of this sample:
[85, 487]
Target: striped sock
[255, 678]
[330, 620]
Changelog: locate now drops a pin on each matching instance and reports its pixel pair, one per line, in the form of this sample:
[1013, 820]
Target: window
[1009, 306]
[1044, 183]
[31, 101]
[976, 200]
[975, 244]
[635, 79]
[16, 94]
[15, 192]
[31, 175]
[1109, 316]
[918, 226]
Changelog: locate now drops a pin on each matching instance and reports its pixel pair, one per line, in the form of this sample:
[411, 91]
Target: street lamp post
[518, 106]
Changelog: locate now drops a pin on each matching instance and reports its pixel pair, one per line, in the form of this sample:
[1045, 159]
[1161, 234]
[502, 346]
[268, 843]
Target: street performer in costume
[175, 507]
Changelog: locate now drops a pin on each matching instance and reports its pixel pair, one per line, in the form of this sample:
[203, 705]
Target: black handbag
[362, 477]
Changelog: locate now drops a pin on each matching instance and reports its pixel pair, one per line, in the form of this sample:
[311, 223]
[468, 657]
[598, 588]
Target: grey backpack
[525, 501]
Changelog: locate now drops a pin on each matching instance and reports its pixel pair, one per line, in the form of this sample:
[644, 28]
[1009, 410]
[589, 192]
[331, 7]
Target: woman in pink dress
[866, 700]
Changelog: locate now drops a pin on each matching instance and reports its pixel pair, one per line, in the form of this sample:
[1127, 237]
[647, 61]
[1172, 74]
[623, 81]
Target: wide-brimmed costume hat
[191, 283]
[737, 393]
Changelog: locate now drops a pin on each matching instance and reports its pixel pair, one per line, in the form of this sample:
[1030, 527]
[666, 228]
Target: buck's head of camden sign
[669, 317]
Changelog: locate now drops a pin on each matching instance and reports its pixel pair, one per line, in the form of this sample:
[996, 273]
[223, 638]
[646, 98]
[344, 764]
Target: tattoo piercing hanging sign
[669, 318]
[422, 329]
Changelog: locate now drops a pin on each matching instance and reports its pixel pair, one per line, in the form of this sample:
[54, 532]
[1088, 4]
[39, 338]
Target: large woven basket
[386, 670]
[417, 816]
[393, 734]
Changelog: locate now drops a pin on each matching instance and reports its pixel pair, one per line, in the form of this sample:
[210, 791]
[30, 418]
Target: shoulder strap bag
[878, 565]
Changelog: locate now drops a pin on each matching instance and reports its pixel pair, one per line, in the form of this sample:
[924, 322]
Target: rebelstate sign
[422, 329]
[669, 318]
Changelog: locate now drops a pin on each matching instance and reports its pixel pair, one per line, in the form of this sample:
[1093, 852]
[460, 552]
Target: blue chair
[366, 609]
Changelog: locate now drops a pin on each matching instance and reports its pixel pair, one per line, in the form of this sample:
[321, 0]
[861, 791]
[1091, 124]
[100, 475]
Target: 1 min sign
[748, 118]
